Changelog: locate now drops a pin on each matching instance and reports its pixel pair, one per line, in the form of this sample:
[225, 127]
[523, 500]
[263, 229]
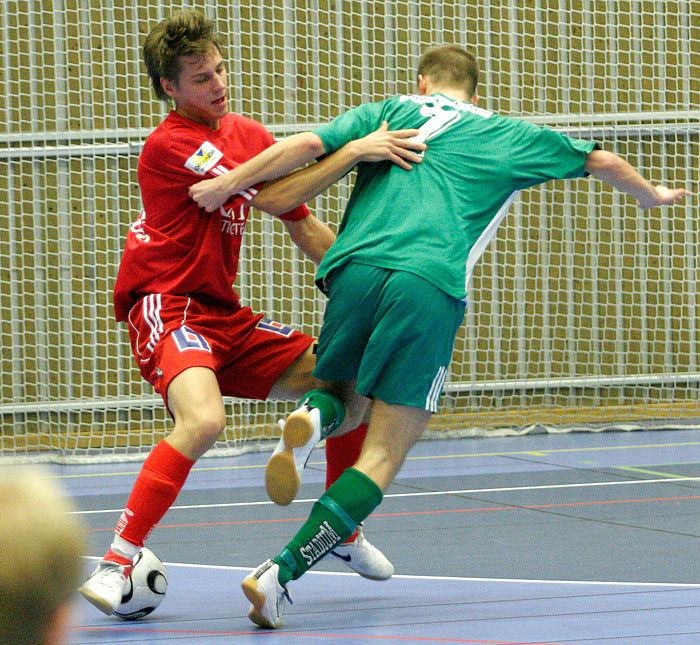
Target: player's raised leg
[323, 409]
[320, 412]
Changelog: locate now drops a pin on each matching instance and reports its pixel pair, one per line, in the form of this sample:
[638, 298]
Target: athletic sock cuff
[288, 566]
[378, 496]
[166, 459]
[124, 548]
[356, 493]
[330, 407]
[111, 556]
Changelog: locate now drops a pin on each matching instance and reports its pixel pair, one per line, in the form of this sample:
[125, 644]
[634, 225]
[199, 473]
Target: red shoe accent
[352, 538]
[111, 556]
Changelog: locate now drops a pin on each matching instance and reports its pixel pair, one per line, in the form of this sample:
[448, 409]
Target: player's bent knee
[200, 431]
[210, 429]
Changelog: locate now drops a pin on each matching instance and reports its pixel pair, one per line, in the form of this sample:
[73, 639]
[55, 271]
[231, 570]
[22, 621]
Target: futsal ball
[145, 587]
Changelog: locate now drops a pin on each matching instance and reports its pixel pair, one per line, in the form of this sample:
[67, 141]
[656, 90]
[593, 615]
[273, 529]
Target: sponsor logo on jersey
[204, 159]
[233, 220]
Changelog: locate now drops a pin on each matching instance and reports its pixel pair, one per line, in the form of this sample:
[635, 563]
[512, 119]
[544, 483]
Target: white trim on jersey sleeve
[248, 193]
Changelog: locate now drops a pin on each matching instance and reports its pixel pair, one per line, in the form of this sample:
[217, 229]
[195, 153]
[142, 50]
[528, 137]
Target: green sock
[329, 404]
[333, 518]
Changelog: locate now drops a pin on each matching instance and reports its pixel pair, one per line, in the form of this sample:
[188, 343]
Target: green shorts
[391, 331]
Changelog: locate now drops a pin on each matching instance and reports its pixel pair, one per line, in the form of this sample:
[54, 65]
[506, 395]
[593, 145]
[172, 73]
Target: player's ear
[168, 87]
[421, 85]
[474, 99]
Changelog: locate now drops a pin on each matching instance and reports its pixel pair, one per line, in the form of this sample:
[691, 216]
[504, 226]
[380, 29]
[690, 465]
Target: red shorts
[247, 352]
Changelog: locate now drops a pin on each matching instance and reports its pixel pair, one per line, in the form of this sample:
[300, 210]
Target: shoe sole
[282, 480]
[97, 602]
[257, 599]
[369, 577]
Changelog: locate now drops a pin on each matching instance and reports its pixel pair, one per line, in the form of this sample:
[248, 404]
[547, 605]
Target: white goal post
[583, 311]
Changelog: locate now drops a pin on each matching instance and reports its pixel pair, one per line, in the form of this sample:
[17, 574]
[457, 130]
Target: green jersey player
[429, 220]
[396, 274]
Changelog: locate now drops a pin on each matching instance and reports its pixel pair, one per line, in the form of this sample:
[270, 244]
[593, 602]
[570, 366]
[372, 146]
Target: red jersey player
[192, 339]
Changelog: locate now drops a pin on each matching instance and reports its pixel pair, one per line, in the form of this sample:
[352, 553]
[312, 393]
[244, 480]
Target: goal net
[583, 311]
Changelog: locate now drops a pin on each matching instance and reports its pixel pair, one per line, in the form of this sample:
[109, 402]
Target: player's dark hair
[187, 33]
[450, 66]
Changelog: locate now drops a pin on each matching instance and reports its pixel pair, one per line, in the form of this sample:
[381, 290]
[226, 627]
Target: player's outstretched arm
[616, 172]
[276, 161]
[287, 193]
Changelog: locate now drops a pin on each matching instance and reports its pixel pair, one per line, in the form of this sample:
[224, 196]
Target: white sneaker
[105, 587]
[301, 431]
[364, 558]
[267, 595]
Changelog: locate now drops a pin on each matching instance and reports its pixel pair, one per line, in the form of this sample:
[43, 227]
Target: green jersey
[436, 219]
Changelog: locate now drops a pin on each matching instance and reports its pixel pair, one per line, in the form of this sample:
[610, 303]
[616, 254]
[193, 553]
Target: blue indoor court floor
[565, 539]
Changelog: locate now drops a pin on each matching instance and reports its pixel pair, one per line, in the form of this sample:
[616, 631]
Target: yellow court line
[539, 453]
[644, 471]
[136, 472]
[543, 453]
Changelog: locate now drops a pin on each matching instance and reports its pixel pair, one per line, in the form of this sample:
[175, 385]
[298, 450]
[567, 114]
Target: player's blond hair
[186, 33]
[450, 66]
[41, 550]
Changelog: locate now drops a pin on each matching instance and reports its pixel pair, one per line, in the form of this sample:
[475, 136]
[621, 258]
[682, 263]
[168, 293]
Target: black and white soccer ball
[145, 587]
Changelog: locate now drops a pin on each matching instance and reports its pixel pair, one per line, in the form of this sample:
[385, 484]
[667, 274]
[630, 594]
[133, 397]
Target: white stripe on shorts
[431, 401]
[151, 314]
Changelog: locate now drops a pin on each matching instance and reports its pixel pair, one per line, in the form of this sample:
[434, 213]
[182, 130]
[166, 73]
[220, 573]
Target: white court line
[222, 567]
[467, 491]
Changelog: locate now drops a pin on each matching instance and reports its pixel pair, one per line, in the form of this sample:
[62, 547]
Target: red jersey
[174, 246]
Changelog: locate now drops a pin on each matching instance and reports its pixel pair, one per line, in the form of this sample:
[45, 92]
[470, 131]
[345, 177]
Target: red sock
[161, 478]
[342, 452]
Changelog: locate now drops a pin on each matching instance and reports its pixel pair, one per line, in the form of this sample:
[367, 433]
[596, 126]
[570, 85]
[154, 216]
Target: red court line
[456, 510]
[536, 506]
[421, 639]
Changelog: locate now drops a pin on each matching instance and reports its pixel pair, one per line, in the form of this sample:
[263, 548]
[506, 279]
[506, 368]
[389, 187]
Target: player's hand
[665, 196]
[210, 194]
[395, 146]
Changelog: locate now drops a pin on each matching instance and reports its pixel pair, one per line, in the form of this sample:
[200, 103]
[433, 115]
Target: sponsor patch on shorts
[186, 339]
[275, 327]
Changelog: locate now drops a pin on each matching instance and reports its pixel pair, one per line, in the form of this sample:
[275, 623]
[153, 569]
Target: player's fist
[210, 194]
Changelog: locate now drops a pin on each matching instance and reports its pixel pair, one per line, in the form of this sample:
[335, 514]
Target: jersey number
[440, 119]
